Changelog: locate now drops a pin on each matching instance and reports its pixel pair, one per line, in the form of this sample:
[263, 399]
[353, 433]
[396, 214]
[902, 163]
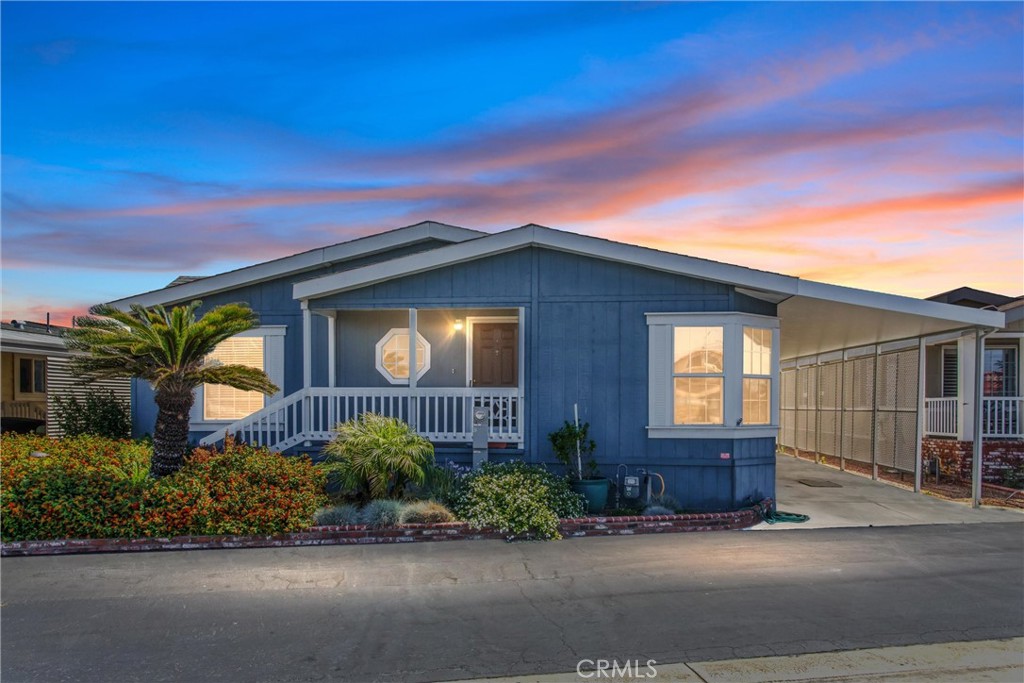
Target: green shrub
[90, 487]
[96, 412]
[425, 512]
[441, 482]
[382, 513]
[377, 457]
[1014, 477]
[338, 515]
[517, 499]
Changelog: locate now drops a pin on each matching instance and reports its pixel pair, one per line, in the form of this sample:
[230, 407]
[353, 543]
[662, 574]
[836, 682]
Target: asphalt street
[471, 609]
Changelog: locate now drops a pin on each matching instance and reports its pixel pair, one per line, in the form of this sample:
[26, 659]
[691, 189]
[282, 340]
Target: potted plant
[574, 449]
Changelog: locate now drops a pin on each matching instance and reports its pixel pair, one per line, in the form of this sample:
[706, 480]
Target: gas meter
[631, 487]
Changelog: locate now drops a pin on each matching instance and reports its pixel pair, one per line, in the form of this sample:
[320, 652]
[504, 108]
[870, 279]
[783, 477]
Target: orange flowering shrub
[91, 487]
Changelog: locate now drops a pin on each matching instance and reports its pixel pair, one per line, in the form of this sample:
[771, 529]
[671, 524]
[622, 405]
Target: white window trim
[29, 395]
[379, 361]
[660, 387]
[273, 365]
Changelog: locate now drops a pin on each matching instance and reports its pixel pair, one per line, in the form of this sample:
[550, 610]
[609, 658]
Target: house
[34, 369]
[674, 361]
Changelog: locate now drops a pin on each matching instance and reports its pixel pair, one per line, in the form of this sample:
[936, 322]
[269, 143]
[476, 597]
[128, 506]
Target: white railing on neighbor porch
[439, 414]
[1001, 416]
[941, 416]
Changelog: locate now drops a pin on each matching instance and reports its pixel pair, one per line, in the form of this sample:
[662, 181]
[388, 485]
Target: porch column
[307, 346]
[966, 379]
[414, 403]
[307, 367]
[332, 347]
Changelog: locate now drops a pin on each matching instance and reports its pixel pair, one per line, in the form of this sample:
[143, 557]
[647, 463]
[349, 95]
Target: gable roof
[184, 289]
[815, 316]
[758, 281]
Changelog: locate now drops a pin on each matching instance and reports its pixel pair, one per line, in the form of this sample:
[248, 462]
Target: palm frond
[236, 376]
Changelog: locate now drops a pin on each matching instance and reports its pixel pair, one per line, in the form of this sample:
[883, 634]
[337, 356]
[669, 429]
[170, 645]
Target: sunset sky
[872, 145]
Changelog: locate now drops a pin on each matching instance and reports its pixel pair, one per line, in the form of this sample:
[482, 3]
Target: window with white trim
[392, 355]
[712, 375]
[261, 347]
[757, 375]
[227, 403]
[697, 375]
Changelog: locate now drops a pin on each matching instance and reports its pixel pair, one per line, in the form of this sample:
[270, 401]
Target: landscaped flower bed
[362, 534]
[89, 494]
[91, 487]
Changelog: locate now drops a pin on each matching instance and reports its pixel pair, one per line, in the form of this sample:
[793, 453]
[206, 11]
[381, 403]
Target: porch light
[458, 324]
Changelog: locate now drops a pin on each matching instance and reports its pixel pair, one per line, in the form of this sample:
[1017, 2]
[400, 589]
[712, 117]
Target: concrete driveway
[861, 502]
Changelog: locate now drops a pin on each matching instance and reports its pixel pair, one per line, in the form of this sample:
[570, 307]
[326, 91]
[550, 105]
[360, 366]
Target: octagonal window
[393, 355]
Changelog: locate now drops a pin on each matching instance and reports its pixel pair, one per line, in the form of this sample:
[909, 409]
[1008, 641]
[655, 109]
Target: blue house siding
[586, 343]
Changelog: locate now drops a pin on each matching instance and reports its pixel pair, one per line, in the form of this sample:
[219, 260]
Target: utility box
[480, 433]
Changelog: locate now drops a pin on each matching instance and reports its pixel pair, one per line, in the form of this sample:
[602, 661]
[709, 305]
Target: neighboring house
[33, 370]
[673, 360]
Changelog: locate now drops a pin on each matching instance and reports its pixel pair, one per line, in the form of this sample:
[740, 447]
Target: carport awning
[820, 318]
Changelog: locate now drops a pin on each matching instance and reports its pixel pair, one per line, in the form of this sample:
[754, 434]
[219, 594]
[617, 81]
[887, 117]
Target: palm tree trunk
[170, 438]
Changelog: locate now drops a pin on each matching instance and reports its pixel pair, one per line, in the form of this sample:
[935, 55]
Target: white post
[979, 430]
[332, 348]
[332, 344]
[921, 416]
[307, 346]
[874, 416]
[413, 402]
[307, 366]
[966, 380]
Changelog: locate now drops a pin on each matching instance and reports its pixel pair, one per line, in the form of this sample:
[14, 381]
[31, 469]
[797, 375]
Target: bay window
[712, 375]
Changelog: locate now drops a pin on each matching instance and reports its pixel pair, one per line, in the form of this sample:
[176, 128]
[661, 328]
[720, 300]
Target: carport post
[874, 417]
[979, 427]
[921, 350]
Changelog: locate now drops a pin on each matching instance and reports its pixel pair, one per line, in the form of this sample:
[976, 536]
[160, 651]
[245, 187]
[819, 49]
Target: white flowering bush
[517, 499]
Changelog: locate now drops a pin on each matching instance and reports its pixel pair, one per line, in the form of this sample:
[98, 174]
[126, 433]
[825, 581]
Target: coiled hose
[772, 516]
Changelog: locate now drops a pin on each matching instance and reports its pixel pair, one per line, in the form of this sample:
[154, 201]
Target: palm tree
[169, 350]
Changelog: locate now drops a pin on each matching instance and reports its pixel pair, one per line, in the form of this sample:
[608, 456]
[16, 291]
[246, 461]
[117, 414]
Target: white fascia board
[297, 263]
[900, 304]
[13, 340]
[408, 265]
[535, 235]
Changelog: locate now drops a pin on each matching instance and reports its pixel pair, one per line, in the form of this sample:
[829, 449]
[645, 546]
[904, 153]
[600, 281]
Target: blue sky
[869, 144]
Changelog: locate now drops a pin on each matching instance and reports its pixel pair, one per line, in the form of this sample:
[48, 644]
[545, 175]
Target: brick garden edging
[411, 533]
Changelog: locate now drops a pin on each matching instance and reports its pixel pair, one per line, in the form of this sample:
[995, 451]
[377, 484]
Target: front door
[495, 354]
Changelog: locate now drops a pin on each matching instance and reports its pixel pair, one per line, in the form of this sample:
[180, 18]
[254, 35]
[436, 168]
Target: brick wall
[410, 533]
[957, 457]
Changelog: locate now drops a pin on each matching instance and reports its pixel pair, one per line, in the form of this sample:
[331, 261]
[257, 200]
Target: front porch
[443, 416]
[433, 368]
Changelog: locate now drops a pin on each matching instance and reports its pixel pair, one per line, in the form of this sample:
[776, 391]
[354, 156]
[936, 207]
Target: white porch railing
[1001, 417]
[439, 414]
[941, 416]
